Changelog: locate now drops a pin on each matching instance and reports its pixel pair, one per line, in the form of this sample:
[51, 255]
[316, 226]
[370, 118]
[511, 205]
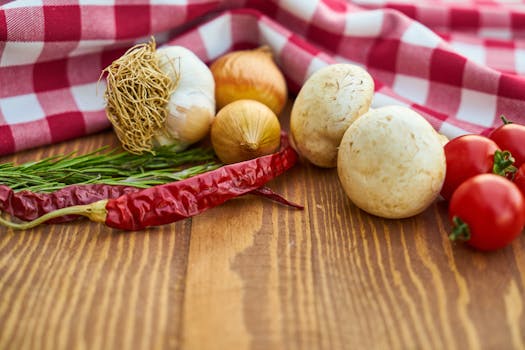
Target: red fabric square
[84, 69]
[62, 23]
[478, 78]
[245, 29]
[325, 28]
[269, 8]
[414, 60]
[512, 86]
[447, 67]
[32, 134]
[3, 26]
[517, 20]
[443, 98]
[335, 5]
[50, 75]
[97, 22]
[464, 18]
[355, 48]
[132, 21]
[408, 10]
[17, 80]
[195, 10]
[383, 54]
[7, 141]
[57, 101]
[66, 126]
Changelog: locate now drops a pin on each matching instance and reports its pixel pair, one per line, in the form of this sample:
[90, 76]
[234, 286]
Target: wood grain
[252, 274]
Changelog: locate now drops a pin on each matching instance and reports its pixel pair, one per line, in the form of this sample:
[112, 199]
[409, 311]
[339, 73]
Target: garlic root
[159, 97]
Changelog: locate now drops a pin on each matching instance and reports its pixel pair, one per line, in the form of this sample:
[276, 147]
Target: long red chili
[178, 200]
[28, 205]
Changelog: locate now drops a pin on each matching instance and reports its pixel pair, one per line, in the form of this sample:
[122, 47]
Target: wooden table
[252, 274]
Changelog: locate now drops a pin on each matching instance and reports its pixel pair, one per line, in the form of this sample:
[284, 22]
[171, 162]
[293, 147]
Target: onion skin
[252, 75]
[243, 130]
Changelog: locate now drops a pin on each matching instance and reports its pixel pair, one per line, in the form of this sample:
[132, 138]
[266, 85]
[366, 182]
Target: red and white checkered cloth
[461, 64]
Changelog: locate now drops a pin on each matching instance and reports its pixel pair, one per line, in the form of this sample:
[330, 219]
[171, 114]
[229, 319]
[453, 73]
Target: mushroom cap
[391, 162]
[328, 102]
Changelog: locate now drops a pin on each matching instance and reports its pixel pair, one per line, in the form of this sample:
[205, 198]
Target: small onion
[243, 130]
[249, 74]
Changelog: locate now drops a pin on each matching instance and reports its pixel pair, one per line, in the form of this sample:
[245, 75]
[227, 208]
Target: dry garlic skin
[328, 102]
[391, 162]
[191, 106]
[245, 129]
[252, 75]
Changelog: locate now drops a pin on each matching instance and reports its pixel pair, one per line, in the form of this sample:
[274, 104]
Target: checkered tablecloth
[460, 63]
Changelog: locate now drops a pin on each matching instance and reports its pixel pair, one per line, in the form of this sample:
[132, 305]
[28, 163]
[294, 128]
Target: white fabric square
[412, 88]
[418, 34]
[96, 2]
[272, 38]
[364, 23]
[217, 36]
[21, 109]
[495, 33]
[381, 100]
[315, 64]
[451, 131]
[520, 61]
[474, 52]
[303, 9]
[89, 97]
[22, 3]
[19, 53]
[90, 46]
[477, 107]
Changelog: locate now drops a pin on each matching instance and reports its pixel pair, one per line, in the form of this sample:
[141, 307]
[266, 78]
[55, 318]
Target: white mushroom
[328, 102]
[391, 162]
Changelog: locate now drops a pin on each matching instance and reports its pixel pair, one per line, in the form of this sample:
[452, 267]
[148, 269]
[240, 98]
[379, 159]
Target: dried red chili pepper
[178, 200]
[27, 205]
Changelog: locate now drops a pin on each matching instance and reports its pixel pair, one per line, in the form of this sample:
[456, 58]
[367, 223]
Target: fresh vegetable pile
[390, 161]
[485, 186]
[161, 102]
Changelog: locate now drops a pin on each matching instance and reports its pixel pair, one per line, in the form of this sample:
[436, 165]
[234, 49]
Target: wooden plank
[252, 274]
[82, 285]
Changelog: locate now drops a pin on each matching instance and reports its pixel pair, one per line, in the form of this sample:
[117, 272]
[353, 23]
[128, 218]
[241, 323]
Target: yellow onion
[249, 74]
[244, 129]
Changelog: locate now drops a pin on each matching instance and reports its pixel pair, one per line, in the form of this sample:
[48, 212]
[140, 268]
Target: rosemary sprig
[111, 167]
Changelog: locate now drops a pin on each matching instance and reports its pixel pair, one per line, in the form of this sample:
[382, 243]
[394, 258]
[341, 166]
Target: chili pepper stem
[95, 212]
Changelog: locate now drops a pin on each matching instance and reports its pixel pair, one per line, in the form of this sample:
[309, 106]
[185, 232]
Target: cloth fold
[461, 65]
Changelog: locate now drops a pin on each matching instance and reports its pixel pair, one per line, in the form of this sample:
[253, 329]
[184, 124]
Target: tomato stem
[460, 230]
[505, 120]
[503, 163]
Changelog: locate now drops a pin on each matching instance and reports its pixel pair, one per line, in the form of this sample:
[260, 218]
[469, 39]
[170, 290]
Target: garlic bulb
[159, 97]
[249, 74]
[245, 129]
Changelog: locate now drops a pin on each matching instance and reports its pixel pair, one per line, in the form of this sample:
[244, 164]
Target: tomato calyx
[503, 163]
[505, 120]
[460, 230]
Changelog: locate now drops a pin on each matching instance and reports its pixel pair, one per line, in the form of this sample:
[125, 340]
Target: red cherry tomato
[511, 137]
[519, 179]
[466, 156]
[487, 211]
